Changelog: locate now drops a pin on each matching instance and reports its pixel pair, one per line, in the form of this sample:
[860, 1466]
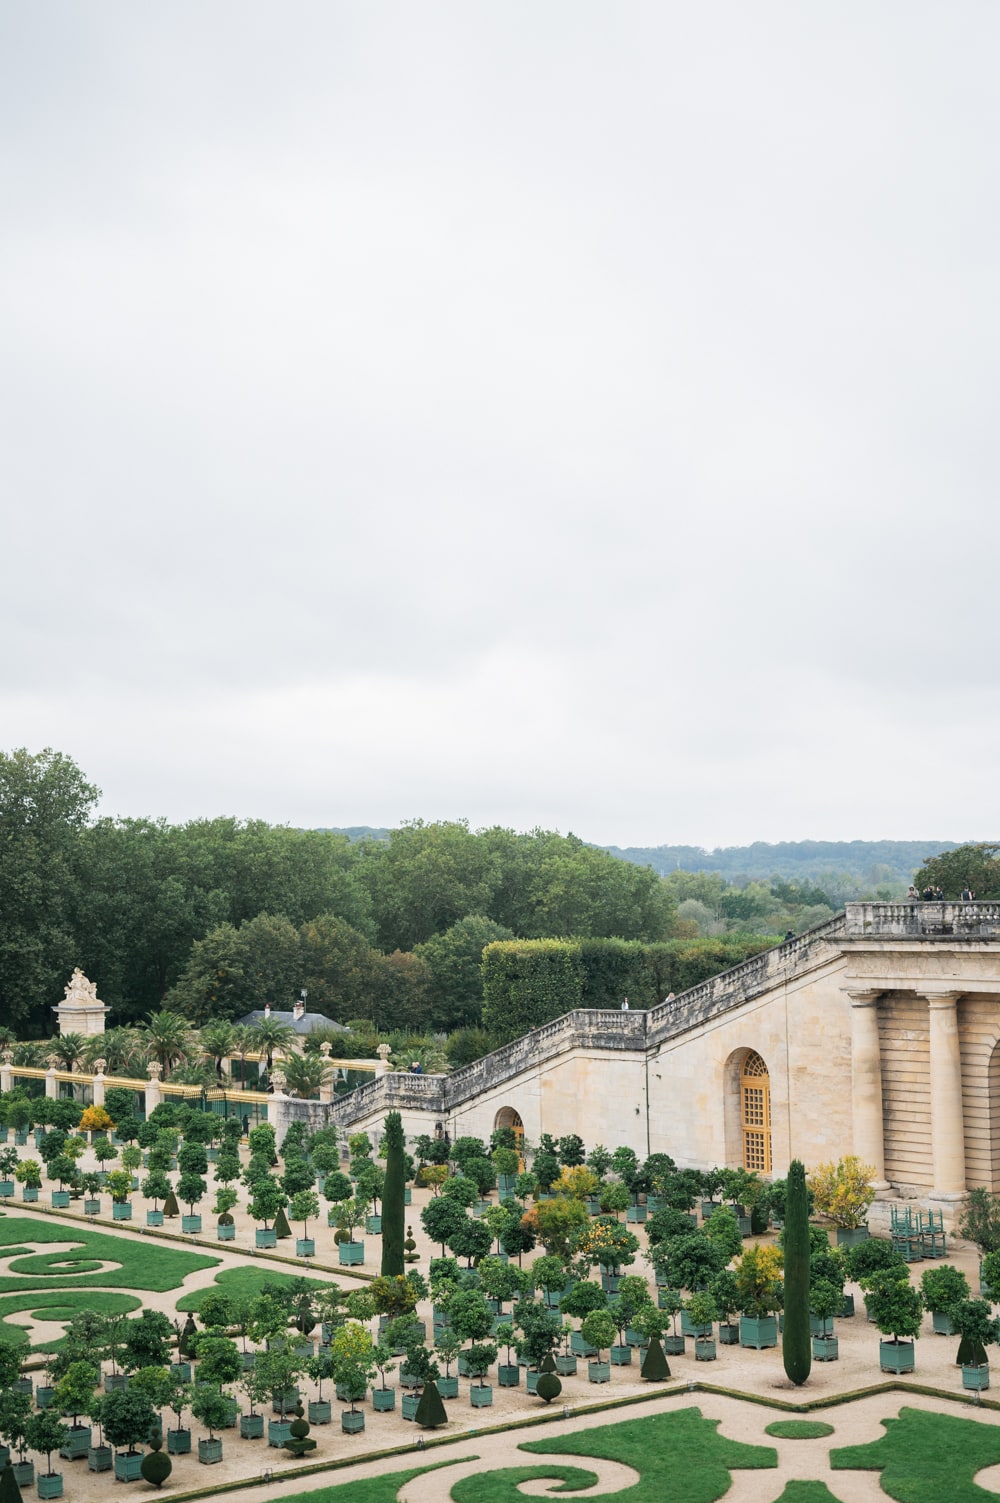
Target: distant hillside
[361, 832]
[871, 861]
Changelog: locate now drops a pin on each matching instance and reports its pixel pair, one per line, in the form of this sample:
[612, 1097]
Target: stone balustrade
[920, 920]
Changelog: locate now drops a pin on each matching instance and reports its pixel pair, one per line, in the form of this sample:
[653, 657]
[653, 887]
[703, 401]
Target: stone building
[876, 1033]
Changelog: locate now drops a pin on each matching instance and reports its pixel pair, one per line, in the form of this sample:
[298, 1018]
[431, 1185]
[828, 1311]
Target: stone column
[383, 1051]
[866, 1084]
[153, 1093]
[51, 1084]
[100, 1065]
[947, 1115]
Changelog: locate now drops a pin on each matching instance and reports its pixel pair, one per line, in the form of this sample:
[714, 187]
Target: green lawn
[807, 1492]
[59, 1305]
[138, 1264]
[502, 1486]
[371, 1489]
[680, 1456]
[242, 1283]
[927, 1458]
[799, 1429]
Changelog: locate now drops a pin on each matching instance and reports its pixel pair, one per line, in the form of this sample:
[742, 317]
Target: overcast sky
[563, 414]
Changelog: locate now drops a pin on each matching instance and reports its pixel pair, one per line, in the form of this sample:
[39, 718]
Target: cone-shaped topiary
[281, 1227]
[547, 1364]
[184, 1344]
[156, 1467]
[392, 1202]
[9, 1490]
[170, 1206]
[548, 1387]
[655, 1367]
[796, 1351]
[430, 1411]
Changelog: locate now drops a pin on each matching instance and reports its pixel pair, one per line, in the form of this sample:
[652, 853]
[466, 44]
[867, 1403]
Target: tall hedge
[796, 1349]
[393, 1194]
[528, 982]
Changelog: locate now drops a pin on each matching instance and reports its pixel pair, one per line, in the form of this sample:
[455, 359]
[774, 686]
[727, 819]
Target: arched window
[755, 1114]
[508, 1117]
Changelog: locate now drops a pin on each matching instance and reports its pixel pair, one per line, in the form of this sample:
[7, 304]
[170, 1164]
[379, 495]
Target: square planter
[850, 1236]
[729, 1332]
[509, 1374]
[115, 1382]
[409, 1405]
[373, 1226]
[191, 1226]
[43, 1395]
[7, 1187]
[448, 1387]
[579, 1347]
[636, 1214]
[24, 1473]
[383, 1400]
[77, 1443]
[305, 1247]
[29, 1194]
[50, 1485]
[621, 1356]
[673, 1346]
[182, 1371]
[708, 1208]
[531, 1378]
[232, 1415]
[225, 1231]
[481, 1395]
[977, 1378]
[128, 1466]
[100, 1459]
[320, 1411]
[632, 1338]
[758, 1333]
[743, 1222]
[281, 1403]
[251, 1426]
[566, 1366]
[209, 1451]
[407, 1196]
[350, 1253]
[704, 1349]
[896, 1356]
[825, 1348]
[265, 1236]
[352, 1421]
[610, 1282]
[24, 1385]
[154, 1218]
[406, 1378]
[278, 1431]
[60, 1200]
[121, 1210]
[599, 1372]
[689, 1328]
[941, 1323]
[846, 1310]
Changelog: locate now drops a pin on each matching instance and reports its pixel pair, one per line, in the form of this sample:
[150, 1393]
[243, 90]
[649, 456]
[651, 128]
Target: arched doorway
[755, 1114]
[508, 1117]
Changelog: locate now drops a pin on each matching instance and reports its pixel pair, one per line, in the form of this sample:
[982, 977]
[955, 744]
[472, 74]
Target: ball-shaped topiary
[156, 1466]
[548, 1387]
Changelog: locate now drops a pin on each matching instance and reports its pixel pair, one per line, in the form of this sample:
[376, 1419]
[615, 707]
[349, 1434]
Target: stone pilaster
[947, 1115]
[866, 1084]
[153, 1093]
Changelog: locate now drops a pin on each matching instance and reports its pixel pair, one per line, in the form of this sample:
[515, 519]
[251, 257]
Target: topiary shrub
[795, 1347]
[156, 1465]
[548, 1387]
[655, 1367]
[430, 1411]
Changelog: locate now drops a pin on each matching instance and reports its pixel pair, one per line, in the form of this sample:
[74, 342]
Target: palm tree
[305, 1073]
[69, 1049]
[273, 1037]
[118, 1047]
[217, 1041]
[167, 1038]
[32, 1054]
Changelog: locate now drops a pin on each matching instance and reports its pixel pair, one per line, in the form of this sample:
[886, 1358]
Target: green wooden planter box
[941, 1323]
[409, 1405]
[232, 1415]
[284, 1401]
[181, 1371]
[210, 1451]
[251, 1426]
[448, 1387]
[825, 1348]
[179, 1442]
[60, 1200]
[23, 1385]
[531, 1377]
[50, 1485]
[846, 1311]
[508, 1375]
[633, 1339]
[350, 1253]
[690, 1329]
[673, 1346]
[43, 1395]
[114, 1382]
[729, 1332]
[225, 1231]
[407, 1196]
[758, 1333]
[128, 1466]
[637, 1214]
[305, 1247]
[319, 1412]
[566, 1366]
[896, 1356]
[100, 1459]
[77, 1443]
[373, 1226]
[745, 1226]
[850, 1236]
[610, 1282]
[704, 1349]
[481, 1395]
[30, 1194]
[352, 1421]
[154, 1218]
[599, 1372]
[7, 1187]
[278, 1431]
[24, 1473]
[191, 1226]
[121, 1210]
[621, 1356]
[977, 1378]
[579, 1347]
[265, 1236]
[383, 1400]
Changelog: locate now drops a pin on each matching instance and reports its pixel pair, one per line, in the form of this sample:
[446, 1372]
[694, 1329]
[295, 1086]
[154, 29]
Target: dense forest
[215, 917]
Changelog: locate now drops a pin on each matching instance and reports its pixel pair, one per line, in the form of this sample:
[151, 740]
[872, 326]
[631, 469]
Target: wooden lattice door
[755, 1114]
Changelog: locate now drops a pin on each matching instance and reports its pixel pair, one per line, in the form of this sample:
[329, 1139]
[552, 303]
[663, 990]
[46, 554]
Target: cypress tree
[796, 1350]
[9, 1490]
[393, 1211]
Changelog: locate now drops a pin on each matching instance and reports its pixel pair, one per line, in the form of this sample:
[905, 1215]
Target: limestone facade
[876, 1033]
